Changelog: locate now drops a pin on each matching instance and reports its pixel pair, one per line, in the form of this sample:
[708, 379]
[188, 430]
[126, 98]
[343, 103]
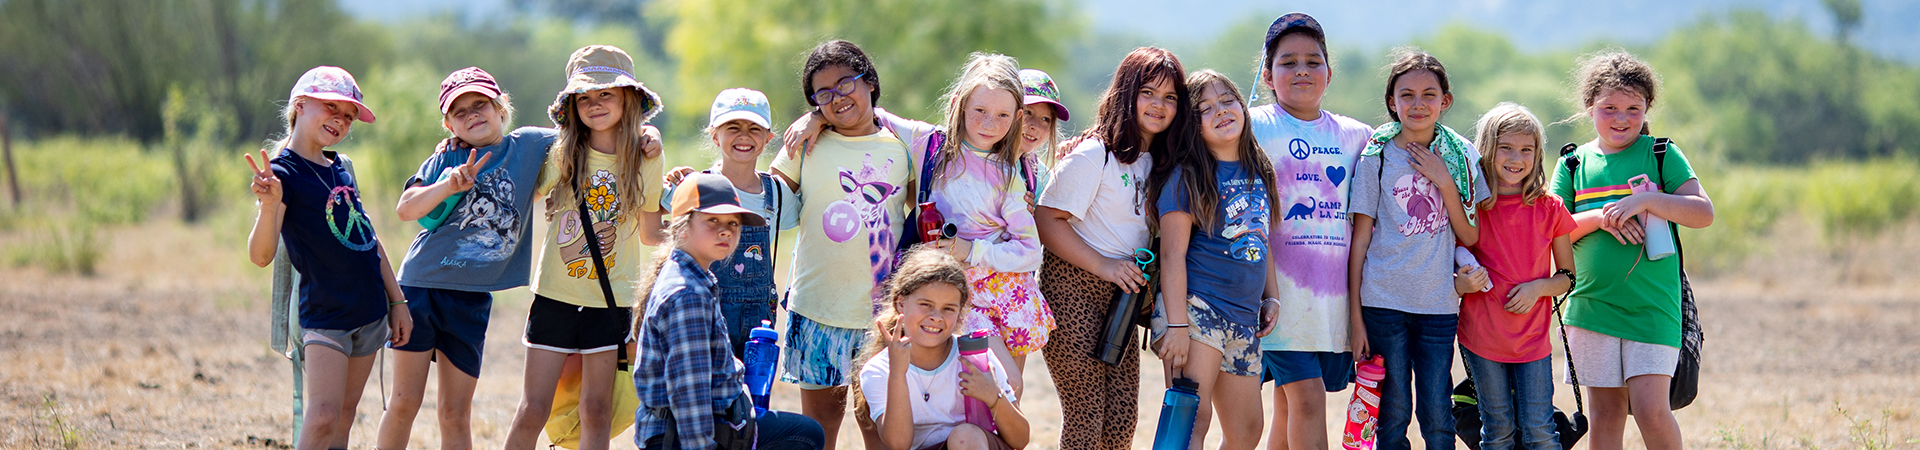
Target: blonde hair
[288, 115]
[570, 149]
[923, 265]
[991, 71]
[504, 103]
[1504, 119]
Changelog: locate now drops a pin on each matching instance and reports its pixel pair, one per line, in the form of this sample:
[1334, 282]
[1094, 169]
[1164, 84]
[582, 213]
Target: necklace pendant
[926, 397]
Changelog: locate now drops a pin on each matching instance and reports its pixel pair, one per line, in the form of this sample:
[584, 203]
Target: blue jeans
[1418, 348]
[778, 430]
[1516, 402]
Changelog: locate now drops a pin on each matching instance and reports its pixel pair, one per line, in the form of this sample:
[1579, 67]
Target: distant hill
[1533, 25]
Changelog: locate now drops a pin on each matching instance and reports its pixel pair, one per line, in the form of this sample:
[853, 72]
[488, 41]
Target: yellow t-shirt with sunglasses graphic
[854, 193]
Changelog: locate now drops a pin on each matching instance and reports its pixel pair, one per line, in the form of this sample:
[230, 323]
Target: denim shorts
[1335, 369]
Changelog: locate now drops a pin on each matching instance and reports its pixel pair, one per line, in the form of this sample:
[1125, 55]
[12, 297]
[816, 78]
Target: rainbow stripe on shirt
[1598, 197]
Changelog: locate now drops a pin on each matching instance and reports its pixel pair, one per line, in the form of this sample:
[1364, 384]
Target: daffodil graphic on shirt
[603, 207]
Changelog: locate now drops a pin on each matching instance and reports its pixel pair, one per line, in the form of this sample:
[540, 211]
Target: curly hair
[837, 52]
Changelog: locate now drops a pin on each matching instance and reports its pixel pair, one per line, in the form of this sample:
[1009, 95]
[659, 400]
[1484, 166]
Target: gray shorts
[354, 343]
[1608, 362]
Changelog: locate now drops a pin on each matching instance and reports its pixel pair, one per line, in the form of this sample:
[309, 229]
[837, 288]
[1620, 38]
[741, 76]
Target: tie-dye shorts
[1239, 349]
[819, 356]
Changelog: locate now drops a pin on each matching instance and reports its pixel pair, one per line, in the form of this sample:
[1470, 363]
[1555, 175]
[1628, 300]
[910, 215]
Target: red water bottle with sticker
[1364, 411]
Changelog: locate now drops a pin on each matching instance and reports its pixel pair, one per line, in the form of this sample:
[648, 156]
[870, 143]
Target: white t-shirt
[938, 405]
[1313, 165]
[1104, 196]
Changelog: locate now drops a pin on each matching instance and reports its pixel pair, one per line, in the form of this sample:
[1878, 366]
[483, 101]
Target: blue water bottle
[763, 353]
[1176, 415]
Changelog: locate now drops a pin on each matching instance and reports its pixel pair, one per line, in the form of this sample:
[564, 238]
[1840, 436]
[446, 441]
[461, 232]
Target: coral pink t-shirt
[1516, 241]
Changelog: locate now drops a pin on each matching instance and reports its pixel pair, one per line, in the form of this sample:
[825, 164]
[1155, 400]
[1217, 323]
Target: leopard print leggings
[1099, 403]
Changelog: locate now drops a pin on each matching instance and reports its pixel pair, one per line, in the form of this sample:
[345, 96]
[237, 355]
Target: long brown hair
[569, 153]
[1117, 122]
[1504, 119]
[923, 265]
[1196, 165]
[991, 71]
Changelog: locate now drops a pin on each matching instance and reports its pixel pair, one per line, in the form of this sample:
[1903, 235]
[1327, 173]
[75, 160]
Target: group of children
[1360, 265]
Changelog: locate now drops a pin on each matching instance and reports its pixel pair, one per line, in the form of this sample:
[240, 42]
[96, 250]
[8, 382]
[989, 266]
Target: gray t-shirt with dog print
[486, 243]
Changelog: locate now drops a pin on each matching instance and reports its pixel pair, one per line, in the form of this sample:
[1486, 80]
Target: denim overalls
[744, 281]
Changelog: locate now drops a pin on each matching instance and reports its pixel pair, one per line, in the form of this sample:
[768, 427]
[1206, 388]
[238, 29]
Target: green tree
[106, 66]
[918, 46]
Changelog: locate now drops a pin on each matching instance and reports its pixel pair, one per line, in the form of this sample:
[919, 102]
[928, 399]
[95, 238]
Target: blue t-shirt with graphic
[1227, 263]
[485, 243]
[331, 242]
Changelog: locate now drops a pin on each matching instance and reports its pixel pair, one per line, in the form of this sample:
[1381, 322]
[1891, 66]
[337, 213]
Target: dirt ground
[167, 348]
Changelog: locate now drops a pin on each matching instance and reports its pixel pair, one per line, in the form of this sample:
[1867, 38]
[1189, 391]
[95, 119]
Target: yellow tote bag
[563, 421]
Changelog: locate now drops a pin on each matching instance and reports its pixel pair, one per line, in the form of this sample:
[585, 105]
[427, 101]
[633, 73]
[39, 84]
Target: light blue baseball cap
[741, 103]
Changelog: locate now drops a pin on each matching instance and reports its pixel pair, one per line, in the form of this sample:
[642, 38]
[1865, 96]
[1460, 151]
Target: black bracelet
[1566, 272]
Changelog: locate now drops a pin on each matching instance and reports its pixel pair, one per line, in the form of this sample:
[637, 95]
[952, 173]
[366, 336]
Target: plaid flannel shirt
[685, 363]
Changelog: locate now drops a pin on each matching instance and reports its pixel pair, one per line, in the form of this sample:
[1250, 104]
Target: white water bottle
[1659, 235]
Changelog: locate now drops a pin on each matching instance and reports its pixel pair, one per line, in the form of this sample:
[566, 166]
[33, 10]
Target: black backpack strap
[1660, 165]
[599, 266]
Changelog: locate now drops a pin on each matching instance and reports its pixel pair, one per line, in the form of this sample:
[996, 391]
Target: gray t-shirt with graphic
[485, 244]
[1409, 264]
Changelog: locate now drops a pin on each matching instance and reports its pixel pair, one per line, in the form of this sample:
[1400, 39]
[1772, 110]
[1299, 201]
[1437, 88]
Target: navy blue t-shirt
[1227, 264]
[330, 241]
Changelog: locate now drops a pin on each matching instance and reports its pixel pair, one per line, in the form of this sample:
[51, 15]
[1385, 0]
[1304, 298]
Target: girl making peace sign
[349, 301]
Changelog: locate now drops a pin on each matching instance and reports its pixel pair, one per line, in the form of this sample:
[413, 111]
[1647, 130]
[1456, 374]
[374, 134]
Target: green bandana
[1451, 147]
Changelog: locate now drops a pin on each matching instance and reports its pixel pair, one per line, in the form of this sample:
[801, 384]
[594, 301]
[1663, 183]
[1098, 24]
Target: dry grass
[166, 348]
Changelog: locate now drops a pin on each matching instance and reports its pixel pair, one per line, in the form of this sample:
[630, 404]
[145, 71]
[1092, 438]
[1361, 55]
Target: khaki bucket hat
[596, 67]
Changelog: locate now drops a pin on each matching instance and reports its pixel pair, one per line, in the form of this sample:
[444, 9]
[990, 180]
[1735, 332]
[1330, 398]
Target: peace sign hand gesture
[265, 186]
[461, 178]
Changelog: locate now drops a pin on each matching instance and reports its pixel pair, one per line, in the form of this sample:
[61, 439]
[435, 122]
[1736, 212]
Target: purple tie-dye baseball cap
[1040, 89]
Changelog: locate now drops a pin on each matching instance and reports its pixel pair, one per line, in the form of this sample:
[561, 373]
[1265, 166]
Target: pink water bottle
[1364, 412]
[973, 352]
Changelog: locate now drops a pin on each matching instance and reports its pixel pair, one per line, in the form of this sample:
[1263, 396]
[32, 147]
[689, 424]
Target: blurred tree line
[198, 79]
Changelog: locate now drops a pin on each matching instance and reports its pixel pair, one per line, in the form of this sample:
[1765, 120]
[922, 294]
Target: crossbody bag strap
[1571, 162]
[599, 266]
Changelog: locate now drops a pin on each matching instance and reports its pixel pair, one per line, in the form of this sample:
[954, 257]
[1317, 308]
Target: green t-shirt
[1619, 292]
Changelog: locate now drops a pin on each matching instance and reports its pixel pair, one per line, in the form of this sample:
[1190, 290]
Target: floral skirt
[1009, 305]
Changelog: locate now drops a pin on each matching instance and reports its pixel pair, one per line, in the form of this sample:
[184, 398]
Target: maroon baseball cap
[462, 81]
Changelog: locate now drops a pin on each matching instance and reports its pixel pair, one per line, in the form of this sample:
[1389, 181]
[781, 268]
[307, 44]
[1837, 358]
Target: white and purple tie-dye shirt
[990, 209]
[1313, 170]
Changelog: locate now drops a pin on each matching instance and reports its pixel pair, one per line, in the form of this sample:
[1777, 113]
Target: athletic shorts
[562, 327]
[355, 343]
[453, 322]
[1608, 362]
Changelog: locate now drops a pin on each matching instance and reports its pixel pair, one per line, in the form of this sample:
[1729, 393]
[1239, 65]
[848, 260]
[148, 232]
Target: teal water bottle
[1176, 415]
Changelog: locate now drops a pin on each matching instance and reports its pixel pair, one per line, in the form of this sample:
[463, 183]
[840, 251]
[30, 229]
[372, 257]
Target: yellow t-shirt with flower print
[563, 270]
